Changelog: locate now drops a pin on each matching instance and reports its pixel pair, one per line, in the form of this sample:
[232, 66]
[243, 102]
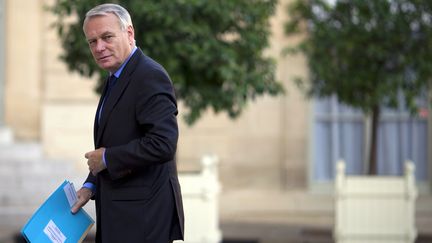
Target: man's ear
[131, 34]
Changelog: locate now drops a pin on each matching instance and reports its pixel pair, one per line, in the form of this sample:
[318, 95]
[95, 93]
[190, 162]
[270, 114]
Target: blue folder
[54, 222]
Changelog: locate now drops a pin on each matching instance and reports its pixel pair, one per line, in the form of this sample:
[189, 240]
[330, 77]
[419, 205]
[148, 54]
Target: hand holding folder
[54, 222]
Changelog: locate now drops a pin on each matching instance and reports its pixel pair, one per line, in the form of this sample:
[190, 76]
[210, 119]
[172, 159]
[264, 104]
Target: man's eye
[107, 37]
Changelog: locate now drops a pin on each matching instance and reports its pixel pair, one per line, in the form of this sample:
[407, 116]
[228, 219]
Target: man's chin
[105, 66]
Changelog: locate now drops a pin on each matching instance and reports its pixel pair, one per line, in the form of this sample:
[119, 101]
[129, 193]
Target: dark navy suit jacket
[138, 127]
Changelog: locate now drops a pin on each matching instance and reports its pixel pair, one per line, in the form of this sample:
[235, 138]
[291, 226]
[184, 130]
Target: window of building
[341, 132]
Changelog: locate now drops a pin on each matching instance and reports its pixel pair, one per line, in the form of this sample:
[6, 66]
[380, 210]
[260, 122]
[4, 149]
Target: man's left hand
[95, 160]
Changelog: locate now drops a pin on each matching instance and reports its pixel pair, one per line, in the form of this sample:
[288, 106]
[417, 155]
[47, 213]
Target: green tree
[213, 50]
[365, 52]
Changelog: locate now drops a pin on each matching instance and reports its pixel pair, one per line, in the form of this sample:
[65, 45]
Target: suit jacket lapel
[96, 120]
[115, 95]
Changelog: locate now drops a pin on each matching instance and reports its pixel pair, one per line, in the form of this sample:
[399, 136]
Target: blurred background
[276, 149]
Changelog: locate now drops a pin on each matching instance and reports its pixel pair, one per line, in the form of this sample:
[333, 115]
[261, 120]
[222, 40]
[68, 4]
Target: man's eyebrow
[107, 33]
[103, 34]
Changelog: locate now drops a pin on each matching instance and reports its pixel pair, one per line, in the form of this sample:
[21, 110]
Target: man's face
[109, 45]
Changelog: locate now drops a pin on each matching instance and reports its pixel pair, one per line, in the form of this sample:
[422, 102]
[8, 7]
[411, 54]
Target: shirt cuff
[103, 158]
[90, 186]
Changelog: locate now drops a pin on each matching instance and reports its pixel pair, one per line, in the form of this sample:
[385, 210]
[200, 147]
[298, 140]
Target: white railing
[375, 209]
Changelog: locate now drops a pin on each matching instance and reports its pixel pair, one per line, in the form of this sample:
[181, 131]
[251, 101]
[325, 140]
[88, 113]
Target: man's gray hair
[104, 9]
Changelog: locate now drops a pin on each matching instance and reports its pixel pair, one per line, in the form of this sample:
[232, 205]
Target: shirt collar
[119, 71]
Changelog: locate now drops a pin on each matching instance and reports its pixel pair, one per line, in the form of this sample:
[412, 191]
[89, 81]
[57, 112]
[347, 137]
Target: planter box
[375, 209]
[200, 193]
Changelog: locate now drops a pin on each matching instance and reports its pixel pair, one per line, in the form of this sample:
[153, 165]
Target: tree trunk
[372, 170]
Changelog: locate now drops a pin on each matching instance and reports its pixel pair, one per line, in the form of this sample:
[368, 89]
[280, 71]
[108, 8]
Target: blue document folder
[54, 222]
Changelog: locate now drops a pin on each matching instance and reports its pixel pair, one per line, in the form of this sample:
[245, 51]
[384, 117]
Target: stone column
[2, 63]
[5, 133]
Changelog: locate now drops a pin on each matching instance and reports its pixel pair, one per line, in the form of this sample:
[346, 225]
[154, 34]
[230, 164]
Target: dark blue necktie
[111, 82]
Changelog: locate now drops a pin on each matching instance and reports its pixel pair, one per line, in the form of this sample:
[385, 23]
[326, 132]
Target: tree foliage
[368, 53]
[213, 50]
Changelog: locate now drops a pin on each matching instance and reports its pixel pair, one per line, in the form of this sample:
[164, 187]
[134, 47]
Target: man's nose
[100, 45]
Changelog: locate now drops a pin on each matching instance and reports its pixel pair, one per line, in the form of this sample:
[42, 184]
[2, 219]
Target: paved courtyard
[250, 216]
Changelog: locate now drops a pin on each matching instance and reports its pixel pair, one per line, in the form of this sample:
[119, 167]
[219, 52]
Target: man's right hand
[84, 195]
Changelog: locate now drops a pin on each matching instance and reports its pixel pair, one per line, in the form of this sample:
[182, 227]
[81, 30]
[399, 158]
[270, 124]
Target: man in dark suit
[133, 174]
